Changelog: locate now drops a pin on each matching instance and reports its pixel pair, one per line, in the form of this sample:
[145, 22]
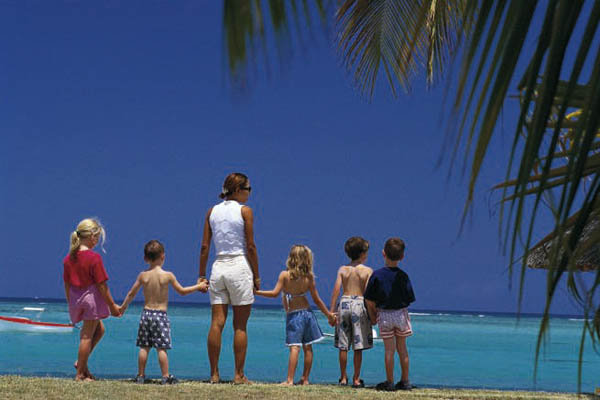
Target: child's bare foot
[86, 373]
[241, 380]
[215, 379]
[83, 378]
[287, 383]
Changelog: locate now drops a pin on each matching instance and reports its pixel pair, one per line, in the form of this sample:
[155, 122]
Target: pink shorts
[86, 304]
[393, 323]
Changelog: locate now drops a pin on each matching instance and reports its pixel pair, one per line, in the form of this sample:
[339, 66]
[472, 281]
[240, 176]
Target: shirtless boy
[155, 328]
[354, 327]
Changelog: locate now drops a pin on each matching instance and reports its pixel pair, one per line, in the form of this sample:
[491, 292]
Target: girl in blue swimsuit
[301, 328]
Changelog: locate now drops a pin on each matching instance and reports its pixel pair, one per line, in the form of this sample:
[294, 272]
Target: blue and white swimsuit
[301, 326]
[154, 330]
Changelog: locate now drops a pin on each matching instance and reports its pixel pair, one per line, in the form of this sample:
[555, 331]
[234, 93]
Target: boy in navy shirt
[388, 295]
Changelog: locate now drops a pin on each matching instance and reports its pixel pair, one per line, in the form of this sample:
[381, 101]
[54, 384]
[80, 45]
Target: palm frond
[249, 24]
[398, 37]
[554, 145]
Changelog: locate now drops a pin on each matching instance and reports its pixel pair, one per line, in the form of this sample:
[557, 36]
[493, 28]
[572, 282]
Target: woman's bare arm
[205, 249]
[251, 252]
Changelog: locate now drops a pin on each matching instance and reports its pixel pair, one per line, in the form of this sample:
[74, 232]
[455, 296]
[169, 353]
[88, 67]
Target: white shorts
[231, 281]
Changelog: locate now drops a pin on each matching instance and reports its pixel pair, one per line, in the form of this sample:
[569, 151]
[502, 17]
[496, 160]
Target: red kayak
[25, 324]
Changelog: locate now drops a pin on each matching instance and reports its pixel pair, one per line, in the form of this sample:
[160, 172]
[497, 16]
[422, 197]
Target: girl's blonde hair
[300, 262]
[86, 228]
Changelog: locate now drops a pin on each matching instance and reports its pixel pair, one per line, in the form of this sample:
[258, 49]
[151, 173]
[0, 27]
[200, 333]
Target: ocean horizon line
[413, 311]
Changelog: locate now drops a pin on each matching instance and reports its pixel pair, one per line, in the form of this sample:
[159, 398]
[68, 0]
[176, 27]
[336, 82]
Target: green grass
[16, 387]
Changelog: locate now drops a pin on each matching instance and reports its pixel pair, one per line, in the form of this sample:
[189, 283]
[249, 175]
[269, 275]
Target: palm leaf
[249, 24]
[398, 36]
[542, 130]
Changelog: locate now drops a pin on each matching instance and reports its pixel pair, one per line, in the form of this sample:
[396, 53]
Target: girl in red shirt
[87, 294]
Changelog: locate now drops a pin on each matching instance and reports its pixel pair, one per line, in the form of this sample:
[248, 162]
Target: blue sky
[123, 112]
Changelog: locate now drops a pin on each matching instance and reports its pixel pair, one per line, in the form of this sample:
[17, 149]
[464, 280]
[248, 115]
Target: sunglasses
[249, 188]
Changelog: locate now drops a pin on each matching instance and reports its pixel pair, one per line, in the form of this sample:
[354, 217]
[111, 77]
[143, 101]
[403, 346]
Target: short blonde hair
[300, 262]
[86, 228]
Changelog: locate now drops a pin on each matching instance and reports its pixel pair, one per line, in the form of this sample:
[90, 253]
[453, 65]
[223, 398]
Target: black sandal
[361, 384]
[385, 386]
[402, 385]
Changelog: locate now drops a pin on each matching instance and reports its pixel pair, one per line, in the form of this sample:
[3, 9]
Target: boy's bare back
[155, 282]
[354, 279]
[156, 288]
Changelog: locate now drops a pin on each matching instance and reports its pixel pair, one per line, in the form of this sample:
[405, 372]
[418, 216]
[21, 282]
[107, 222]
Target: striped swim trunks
[394, 323]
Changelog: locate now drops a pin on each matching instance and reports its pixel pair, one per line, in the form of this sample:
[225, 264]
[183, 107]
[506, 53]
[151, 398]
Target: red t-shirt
[85, 269]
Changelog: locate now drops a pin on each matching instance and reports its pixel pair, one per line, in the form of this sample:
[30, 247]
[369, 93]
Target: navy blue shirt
[390, 289]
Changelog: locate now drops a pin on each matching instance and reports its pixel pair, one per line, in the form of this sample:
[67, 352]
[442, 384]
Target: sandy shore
[16, 387]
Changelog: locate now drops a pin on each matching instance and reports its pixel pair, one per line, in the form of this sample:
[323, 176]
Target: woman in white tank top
[234, 274]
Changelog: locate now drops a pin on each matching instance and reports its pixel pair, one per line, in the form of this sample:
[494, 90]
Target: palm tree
[553, 157]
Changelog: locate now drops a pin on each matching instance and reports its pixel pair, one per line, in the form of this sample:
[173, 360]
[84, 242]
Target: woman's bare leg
[217, 322]
[240, 340]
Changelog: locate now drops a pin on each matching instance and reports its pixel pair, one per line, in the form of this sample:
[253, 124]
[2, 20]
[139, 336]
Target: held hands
[332, 319]
[122, 309]
[203, 282]
[256, 284]
[203, 285]
[115, 310]
[373, 318]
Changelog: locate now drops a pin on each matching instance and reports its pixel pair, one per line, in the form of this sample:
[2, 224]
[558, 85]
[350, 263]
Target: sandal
[141, 379]
[342, 384]
[402, 385]
[385, 386]
[169, 380]
[361, 384]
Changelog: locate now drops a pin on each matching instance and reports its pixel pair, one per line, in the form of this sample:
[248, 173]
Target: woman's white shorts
[231, 281]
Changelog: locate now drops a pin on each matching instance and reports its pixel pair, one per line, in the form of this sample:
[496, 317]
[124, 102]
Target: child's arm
[188, 289]
[131, 294]
[372, 311]
[367, 280]
[285, 303]
[105, 292]
[336, 290]
[67, 288]
[278, 286]
[320, 304]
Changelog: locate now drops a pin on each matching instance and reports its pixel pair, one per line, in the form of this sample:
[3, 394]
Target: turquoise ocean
[448, 349]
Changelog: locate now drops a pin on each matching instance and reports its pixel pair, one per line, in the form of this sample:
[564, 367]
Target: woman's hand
[204, 284]
[256, 283]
